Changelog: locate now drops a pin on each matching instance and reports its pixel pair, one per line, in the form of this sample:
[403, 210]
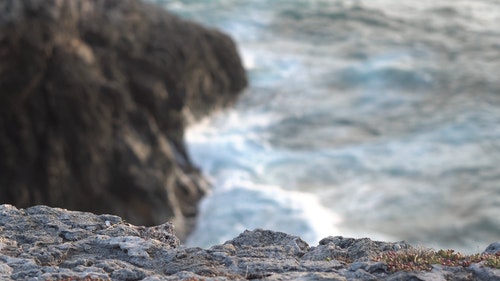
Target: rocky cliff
[94, 96]
[42, 243]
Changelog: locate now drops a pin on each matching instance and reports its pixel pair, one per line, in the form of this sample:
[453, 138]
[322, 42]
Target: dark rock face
[94, 96]
[43, 243]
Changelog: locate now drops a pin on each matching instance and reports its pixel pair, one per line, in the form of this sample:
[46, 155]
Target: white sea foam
[238, 204]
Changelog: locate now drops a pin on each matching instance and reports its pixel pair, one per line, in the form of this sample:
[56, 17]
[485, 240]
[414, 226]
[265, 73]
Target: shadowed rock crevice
[93, 105]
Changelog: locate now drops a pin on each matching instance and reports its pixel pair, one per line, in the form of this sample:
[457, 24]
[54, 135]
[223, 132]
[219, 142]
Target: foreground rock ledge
[43, 243]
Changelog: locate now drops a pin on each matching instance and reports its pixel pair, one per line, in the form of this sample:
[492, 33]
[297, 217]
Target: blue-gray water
[363, 118]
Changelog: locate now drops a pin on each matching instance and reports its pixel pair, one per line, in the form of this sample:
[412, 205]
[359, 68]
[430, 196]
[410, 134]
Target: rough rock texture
[43, 243]
[94, 96]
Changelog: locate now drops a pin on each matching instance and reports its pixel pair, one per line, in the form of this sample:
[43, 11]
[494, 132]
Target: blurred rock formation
[94, 96]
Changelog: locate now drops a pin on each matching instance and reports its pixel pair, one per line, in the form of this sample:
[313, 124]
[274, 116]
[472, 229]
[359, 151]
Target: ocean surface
[371, 118]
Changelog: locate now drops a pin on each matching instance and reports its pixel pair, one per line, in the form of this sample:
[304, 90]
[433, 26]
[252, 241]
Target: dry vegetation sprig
[420, 259]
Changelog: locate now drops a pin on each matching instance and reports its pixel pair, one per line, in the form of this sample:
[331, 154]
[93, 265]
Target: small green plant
[493, 260]
[418, 259]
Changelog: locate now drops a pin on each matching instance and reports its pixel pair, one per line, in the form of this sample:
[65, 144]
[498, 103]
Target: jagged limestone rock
[43, 243]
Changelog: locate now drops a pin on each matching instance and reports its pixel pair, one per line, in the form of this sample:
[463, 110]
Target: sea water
[371, 118]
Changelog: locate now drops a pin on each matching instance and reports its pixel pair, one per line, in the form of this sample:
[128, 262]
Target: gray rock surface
[43, 243]
[94, 98]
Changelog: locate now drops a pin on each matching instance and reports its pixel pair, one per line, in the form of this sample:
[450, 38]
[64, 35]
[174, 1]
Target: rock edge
[43, 243]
